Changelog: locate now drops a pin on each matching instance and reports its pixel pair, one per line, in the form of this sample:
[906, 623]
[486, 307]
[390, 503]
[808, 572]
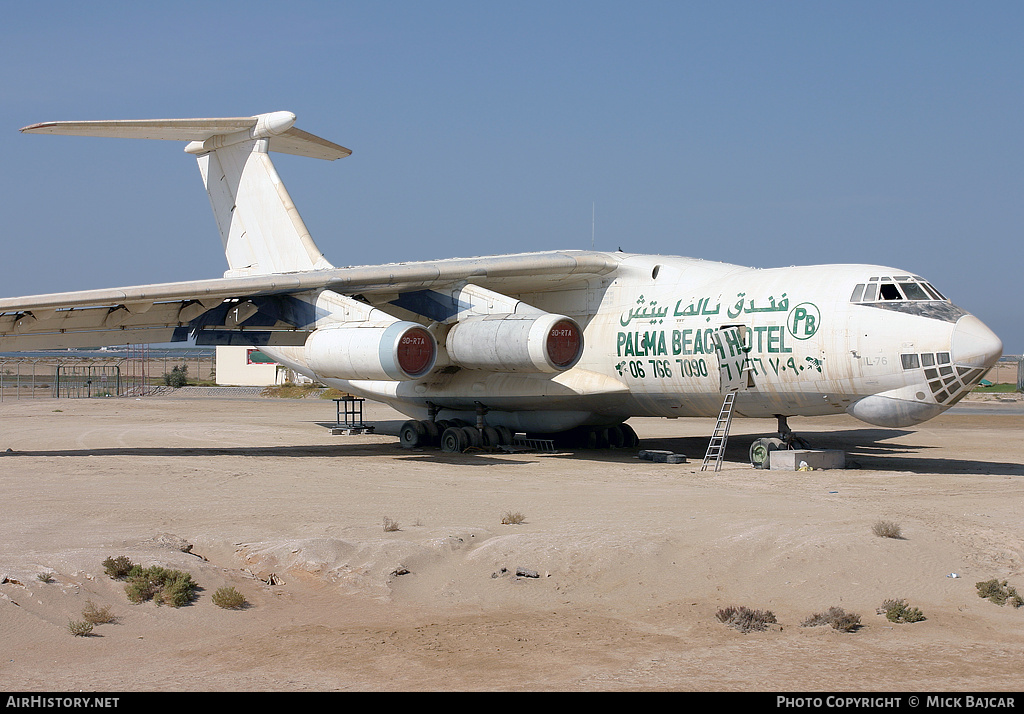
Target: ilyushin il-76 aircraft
[478, 350]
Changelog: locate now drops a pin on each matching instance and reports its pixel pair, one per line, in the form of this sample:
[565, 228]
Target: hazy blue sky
[759, 133]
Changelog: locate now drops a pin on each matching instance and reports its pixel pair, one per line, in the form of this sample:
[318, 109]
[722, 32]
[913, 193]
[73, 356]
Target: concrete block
[786, 460]
[661, 457]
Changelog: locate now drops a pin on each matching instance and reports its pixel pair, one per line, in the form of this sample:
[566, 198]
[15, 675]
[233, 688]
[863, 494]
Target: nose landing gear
[761, 449]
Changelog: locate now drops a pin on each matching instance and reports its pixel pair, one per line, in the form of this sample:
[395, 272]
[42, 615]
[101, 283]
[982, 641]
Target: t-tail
[259, 225]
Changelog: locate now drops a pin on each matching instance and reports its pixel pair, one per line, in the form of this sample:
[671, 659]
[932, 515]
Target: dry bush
[838, 618]
[900, 611]
[79, 628]
[229, 599]
[167, 587]
[97, 615]
[999, 592]
[512, 519]
[887, 529]
[119, 567]
[390, 526]
[746, 620]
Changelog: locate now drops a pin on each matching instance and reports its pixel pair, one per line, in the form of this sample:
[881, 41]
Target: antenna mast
[593, 206]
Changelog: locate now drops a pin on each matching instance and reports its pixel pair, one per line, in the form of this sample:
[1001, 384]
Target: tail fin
[259, 225]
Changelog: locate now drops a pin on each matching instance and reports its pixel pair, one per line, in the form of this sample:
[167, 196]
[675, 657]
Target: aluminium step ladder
[716, 447]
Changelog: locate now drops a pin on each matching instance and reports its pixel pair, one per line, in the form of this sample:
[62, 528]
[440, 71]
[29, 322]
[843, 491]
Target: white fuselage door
[734, 368]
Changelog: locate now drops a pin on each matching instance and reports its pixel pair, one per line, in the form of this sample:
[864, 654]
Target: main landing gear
[457, 435]
[761, 448]
[454, 435]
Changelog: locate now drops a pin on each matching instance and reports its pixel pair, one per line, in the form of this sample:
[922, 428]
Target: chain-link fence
[79, 374]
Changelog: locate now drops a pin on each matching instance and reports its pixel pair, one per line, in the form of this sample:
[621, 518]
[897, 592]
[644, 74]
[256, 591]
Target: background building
[240, 366]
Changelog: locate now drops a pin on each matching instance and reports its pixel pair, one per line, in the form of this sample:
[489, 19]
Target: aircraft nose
[974, 344]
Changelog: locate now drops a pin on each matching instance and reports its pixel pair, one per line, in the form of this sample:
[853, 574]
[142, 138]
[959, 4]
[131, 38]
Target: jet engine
[399, 351]
[516, 343]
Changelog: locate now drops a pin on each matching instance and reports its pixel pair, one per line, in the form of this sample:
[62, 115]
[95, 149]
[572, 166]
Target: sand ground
[633, 558]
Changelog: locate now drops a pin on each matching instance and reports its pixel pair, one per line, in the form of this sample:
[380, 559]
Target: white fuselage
[808, 344]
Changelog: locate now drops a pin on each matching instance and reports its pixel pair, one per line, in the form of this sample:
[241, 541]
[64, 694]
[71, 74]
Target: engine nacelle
[399, 351]
[516, 343]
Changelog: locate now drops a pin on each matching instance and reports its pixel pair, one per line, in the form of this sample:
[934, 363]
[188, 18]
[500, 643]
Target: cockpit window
[902, 287]
[913, 291]
[889, 291]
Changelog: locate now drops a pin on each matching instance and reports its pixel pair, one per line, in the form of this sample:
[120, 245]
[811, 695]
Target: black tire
[616, 437]
[473, 435]
[453, 440]
[491, 436]
[629, 438]
[412, 434]
[506, 435]
[433, 433]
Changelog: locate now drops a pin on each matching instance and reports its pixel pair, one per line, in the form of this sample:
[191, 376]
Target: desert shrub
[900, 611]
[45, 577]
[999, 592]
[838, 618]
[512, 519]
[79, 628]
[118, 568]
[177, 377]
[167, 587]
[390, 526]
[97, 615]
[746, 620]
[887, 529]
[229, 599]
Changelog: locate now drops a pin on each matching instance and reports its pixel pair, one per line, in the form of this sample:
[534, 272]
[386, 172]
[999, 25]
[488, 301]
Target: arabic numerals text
[660, 368]
[636, 369]
[692, 367]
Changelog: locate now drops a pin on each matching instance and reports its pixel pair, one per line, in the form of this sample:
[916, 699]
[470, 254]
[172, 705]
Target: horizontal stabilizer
[276, 126]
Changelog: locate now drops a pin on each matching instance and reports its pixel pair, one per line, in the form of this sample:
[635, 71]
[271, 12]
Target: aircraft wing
[261, 309]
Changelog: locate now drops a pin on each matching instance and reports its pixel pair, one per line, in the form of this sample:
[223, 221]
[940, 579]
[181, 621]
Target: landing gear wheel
[454, 440]
[433, 433]
[799, 443]
[761, 449]
[505, 435]
[491, 436]
[616, 437]
[412, 434]
[629, 438]
[473, 435]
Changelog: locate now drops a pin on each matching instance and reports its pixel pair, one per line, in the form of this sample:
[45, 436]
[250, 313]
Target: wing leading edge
[172, 311]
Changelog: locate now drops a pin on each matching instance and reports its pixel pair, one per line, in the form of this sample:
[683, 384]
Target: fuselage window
[871, 292]
[928, 360]
[857, 293]
[910, 361]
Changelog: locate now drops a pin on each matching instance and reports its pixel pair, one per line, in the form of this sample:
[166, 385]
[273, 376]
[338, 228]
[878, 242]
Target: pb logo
[803, 320]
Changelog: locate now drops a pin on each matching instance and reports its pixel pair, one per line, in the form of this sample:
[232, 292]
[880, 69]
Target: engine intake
[516, 343]
[399, 351]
